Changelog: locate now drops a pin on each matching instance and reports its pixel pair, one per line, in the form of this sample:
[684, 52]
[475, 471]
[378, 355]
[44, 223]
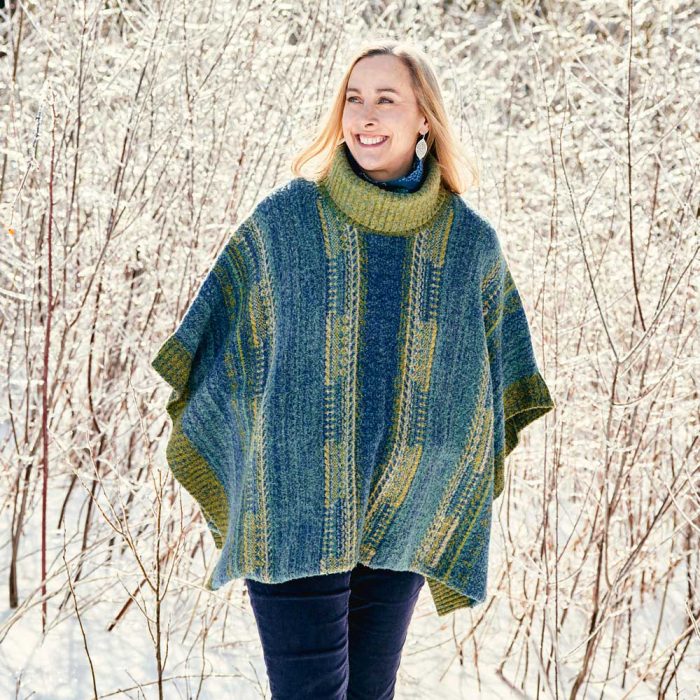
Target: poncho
[279, 428]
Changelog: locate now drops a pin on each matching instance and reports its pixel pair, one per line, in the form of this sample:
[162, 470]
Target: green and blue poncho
[347, 383]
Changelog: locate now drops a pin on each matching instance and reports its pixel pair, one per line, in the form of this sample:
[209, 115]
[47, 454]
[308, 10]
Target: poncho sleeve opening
[520, 393]
[183, 361]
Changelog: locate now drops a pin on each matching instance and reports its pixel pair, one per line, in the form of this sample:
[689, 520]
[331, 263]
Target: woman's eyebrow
[385, 89]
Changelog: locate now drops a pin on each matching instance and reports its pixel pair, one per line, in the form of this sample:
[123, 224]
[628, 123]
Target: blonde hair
[442, 141]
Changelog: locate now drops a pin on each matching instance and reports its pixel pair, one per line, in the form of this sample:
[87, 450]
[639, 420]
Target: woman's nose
[367, 112]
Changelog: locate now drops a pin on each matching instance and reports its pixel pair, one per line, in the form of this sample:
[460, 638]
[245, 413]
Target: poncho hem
[445, 598]
[524, 401]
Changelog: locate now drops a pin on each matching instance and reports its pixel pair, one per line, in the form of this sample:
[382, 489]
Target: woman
[347, 383]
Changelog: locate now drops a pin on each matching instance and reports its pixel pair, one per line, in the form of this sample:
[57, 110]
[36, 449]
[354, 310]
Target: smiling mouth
[370, 145]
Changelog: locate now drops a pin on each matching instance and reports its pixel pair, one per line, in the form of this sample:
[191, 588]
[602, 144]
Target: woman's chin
[374, 160]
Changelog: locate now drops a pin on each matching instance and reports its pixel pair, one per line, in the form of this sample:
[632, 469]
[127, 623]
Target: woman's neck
[406, 183]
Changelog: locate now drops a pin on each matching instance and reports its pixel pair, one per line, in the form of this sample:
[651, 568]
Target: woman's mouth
[371, 141]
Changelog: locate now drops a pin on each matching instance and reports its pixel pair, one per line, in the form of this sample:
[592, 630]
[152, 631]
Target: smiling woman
[347, 385]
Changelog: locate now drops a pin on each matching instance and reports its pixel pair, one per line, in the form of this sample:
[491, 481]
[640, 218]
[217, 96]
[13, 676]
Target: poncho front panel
[273, 433]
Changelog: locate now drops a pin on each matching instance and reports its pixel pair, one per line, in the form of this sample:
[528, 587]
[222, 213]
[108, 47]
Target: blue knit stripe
[385, 265]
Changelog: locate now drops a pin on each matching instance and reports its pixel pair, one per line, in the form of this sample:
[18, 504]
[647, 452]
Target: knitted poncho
[280, 396]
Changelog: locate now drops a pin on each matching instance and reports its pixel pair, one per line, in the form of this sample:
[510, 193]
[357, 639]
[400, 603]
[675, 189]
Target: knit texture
[324, 414]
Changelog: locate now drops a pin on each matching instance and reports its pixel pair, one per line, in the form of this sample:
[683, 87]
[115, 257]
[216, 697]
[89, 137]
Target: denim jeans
[335, 636]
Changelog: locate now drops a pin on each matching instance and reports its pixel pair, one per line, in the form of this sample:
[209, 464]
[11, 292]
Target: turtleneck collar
[406, 183]
[381, 209]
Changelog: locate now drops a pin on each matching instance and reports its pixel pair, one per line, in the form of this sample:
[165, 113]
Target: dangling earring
[421, 147]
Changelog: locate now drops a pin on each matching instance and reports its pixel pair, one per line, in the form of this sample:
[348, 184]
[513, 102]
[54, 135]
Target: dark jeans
[335, 636]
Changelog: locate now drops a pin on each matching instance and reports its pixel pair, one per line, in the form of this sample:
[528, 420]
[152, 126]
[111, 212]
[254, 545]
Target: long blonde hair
[442, 141]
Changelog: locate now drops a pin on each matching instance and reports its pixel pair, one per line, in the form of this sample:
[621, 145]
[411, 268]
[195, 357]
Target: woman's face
[371, 111]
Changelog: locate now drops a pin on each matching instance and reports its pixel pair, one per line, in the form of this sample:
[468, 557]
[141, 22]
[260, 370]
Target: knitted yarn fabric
[324, 415]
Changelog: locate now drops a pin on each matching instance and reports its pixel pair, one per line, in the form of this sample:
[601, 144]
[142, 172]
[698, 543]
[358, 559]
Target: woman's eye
[381, 98]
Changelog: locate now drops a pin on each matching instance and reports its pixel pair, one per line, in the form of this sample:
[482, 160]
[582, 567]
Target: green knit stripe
[382, 210]
[340, 514]
[173, 363]
[194, 474]
[447, 599]
[254, 551]
[524, 401]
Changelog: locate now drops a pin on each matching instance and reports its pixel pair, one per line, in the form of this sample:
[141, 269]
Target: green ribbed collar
[383, 210]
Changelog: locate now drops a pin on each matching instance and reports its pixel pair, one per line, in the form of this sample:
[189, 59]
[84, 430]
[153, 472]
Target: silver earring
[421, 147]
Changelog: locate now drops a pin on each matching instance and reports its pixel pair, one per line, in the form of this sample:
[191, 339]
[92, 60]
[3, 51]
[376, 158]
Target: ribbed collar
[379, 209]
